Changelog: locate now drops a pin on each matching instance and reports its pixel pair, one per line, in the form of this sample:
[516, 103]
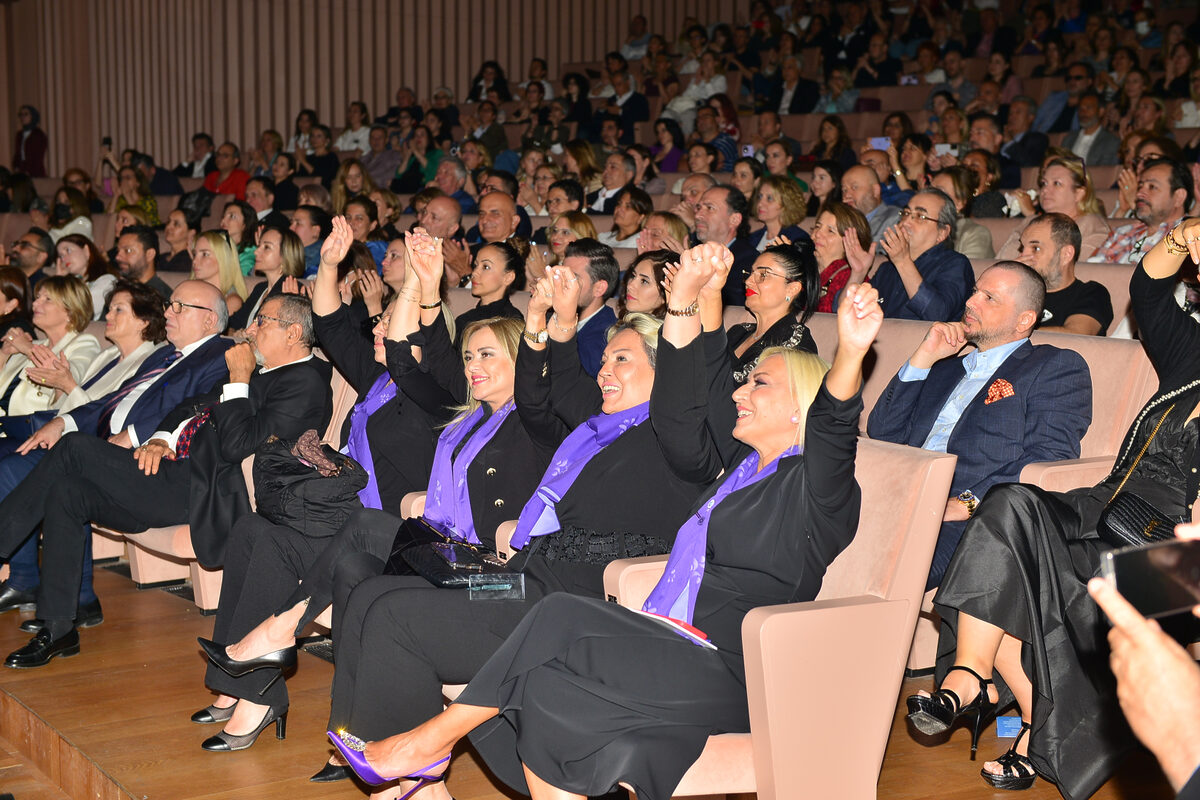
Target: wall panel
[151, 72]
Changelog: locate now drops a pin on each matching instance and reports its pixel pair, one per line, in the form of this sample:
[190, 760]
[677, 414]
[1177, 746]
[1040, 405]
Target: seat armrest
[628, 581]
[1062, 476]
[412, 505]
[800, 725]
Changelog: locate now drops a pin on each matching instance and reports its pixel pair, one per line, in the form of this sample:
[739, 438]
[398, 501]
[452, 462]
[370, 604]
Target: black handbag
[422, 549]
[1128, 521]
[305, 485]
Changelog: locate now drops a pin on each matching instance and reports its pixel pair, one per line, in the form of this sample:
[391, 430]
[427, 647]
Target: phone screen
[880, 142]
[943, 149]
[1159, 579]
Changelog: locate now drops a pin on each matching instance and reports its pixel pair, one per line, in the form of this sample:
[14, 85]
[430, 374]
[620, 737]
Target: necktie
[183, 445]
[114, 399]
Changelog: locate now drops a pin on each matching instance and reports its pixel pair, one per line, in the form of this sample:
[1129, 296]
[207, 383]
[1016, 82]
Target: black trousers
[270, 568]
[400, 639]
[84, 479]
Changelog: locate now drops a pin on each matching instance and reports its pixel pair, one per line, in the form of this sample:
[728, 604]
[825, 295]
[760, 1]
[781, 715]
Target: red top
[235, 184]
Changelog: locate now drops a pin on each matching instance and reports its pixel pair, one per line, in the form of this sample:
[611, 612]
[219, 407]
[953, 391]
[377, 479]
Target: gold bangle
[689, 311]
[430, 306]
[1173, 245]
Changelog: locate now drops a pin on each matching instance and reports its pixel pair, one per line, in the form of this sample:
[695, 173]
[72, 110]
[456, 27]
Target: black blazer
[401, 434]
[609, 204]
[635, 109]
[275, 219]
[284, 402]
[804, 99]
[1028, 152]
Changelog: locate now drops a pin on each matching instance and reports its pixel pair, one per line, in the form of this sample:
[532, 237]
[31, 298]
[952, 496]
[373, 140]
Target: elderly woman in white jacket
[62, 309]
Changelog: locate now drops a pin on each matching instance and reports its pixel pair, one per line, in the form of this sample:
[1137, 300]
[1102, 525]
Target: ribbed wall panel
[149, 73]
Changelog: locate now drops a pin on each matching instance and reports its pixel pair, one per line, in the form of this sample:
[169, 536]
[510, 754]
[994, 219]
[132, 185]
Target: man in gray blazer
[1092, 142]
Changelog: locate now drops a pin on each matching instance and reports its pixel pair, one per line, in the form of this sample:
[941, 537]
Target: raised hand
[292, 285]
[456, 257]
[370, 286]
[536, 263]
[337, 244]
[565, 287]
[541, 300]
[425, 259]
[895, 244]
[696, 268]
[860, 260]
[859, 317]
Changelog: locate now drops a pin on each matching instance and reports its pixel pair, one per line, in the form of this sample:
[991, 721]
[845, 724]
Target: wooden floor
[112, 724]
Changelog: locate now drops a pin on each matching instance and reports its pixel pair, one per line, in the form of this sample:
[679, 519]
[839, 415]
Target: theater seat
[856, 633]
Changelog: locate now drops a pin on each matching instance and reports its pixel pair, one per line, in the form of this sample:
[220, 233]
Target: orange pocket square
[999, 390]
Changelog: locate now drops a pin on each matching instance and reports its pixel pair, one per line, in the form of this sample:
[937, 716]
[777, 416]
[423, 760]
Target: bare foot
[1022, 749]
[246, 717]
[273, 633]
[965, 686]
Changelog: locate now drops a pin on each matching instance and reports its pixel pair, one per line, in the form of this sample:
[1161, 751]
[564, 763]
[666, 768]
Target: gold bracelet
[430, 306]
[689, 311]
[1173, 245]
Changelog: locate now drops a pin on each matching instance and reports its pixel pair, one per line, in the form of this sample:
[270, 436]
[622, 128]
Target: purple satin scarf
[448, 501]
[357, 446]
[675, 593]
[539, 518]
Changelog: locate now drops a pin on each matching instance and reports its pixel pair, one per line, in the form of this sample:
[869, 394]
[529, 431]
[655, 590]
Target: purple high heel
[351, 748]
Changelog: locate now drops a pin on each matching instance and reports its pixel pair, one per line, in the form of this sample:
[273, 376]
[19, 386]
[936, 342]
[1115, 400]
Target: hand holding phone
[880, 143]
[1159, 579]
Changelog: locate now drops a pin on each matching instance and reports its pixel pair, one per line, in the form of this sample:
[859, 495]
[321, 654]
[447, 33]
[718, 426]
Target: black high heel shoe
[280, 659]
[211, 714]
[226, 742]
[1017, 771]
[938, 712]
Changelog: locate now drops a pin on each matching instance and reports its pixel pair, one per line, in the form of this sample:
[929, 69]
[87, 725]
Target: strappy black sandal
[938, 712]
[1017, 770]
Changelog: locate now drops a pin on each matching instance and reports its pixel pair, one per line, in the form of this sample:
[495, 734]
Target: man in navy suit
[627, 105]
[1003, 406]
[191, 454]
[193, 364]
[596, 269]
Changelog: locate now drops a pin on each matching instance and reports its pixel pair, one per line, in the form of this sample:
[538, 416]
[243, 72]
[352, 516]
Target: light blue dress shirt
[979, 366]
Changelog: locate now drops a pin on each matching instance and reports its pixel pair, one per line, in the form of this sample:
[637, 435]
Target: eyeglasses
[178, 306]
[905, 213]
[258, 320]
[1074, 78]
[21, 244]
[760, 274]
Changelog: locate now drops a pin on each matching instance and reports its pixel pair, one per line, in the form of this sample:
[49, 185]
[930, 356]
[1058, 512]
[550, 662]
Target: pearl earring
[795, 420]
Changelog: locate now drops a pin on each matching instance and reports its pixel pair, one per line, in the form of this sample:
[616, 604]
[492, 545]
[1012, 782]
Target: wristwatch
[536, 338]
[898, 173]
[968, 499]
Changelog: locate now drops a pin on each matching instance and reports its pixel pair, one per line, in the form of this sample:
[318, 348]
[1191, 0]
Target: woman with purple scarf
[591, 694]
[611, 491]
[388, 432]
[484, 458]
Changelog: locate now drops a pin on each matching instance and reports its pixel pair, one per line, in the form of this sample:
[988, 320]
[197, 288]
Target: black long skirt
[1023, 565]
[591, 695]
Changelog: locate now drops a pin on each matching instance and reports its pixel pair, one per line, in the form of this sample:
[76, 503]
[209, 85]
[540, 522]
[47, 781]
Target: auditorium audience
[228, 177]
[240, 221]
[779, 205]
[29, 150]
[1165, 192]
[136, 251]
[319, 160]
[862, 191]
[355, 137]
[133, 191]
[1064, 187]
[642, 286]
[278, 257]
[629, 215]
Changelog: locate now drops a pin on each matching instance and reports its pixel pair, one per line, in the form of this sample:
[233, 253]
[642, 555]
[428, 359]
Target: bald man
[861, 189]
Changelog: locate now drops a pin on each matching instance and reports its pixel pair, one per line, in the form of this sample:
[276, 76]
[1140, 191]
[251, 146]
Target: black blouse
[772, 541]
[402, 435]
[627, 500]
[787, 332]
[499, 308]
